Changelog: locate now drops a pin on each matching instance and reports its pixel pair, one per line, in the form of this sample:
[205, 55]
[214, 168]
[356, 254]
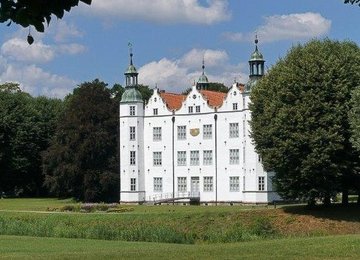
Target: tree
[26, 127]
[354, 116]
[35, 12]
[352, 2]
[82, 161]
[300, 124]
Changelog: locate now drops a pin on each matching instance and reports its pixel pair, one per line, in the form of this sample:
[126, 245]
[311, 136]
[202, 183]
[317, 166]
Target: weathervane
[203, 65]
[130, 52]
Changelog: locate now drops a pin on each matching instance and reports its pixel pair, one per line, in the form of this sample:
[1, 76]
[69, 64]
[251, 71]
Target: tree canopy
[354, 116]
[352, 2]
[35, 12]
[300, 120]
[26, 126]
[82, 161]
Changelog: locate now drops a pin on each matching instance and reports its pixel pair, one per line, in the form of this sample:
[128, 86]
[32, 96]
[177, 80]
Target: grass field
[29, 230]
[175, 224]
[330, 247]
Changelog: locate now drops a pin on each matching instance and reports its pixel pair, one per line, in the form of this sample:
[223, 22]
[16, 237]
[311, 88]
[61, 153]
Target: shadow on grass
[337, 212]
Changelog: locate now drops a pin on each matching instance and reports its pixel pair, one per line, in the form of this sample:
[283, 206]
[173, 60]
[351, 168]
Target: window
[191, 110]
[132, 184]
[156, 133]
[157, 158]
[244, 102]
[132, 133]
[261, 183]
[234, 130]
[155, 111]
[207, 157]
[132, 158]
[235, 106]
[234, 156]
[182, 187]
[181, 158]
[197, 109]
[157, 184]
[259, 158]
[207, 131]
[132, 110]
[244, 182]
[234, 184]
[208, 183]
[181, 132]
[194, 158]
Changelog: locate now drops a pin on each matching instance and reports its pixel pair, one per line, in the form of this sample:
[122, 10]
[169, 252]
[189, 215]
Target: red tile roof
[214, 98]
[173, 101]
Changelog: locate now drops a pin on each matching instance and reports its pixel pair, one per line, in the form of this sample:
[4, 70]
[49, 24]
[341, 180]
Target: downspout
[173, 156]
[216, 181]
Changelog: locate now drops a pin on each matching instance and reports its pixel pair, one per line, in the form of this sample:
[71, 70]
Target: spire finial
[203, 65]
[256, 41]
[130, 52]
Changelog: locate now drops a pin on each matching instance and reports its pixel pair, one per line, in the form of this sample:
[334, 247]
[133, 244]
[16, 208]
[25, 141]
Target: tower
[256, 64]
[131, 138]
[203, 82]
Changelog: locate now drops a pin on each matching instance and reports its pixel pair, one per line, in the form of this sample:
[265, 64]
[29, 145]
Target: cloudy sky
[169, 38]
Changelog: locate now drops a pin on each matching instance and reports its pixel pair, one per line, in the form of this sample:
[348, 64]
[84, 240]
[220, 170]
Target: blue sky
[170, 39]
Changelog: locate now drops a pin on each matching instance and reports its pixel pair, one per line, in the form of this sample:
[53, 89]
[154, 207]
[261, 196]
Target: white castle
[191, 147]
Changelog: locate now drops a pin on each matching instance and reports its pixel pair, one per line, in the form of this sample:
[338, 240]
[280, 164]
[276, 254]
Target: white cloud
[287, 27]
[179, 74]
[36, 81]
[18, 49]
[63, 31]
[72, 48]
[162, 11]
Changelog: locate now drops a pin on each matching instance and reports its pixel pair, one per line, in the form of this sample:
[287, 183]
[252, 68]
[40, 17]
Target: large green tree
[35, 12]
[82, 161]
[26, 127]
[300, 120]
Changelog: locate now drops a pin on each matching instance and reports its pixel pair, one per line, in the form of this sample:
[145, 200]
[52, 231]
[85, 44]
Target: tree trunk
[345, 197]
[327, 200]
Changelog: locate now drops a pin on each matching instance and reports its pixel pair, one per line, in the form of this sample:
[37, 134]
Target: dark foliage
[26, 126]
[35, 12]
[82, 161]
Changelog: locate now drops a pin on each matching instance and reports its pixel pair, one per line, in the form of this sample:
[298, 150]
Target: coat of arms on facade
[195, 131]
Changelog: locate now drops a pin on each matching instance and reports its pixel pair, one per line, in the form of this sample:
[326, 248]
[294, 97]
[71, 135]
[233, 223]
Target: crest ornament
[195, 131]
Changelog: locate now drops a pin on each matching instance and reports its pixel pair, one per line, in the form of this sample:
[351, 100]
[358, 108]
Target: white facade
[204, 151]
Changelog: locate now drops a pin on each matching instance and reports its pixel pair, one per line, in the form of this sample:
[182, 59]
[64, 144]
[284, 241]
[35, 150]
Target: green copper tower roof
[131, 95]
[256, 55]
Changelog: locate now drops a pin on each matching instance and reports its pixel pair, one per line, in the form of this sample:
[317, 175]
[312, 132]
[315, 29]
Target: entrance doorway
[195, 185]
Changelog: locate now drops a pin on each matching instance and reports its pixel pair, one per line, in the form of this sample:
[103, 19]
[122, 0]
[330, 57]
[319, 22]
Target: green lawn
[32, 204]
[331, 247]
[43, 204]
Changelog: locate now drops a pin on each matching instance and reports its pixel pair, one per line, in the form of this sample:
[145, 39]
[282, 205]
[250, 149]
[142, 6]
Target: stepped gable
[214, 98]
[172, 100]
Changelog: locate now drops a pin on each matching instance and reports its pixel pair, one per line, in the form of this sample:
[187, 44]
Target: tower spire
[130, 52]
[203, 65]
[256, 64]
